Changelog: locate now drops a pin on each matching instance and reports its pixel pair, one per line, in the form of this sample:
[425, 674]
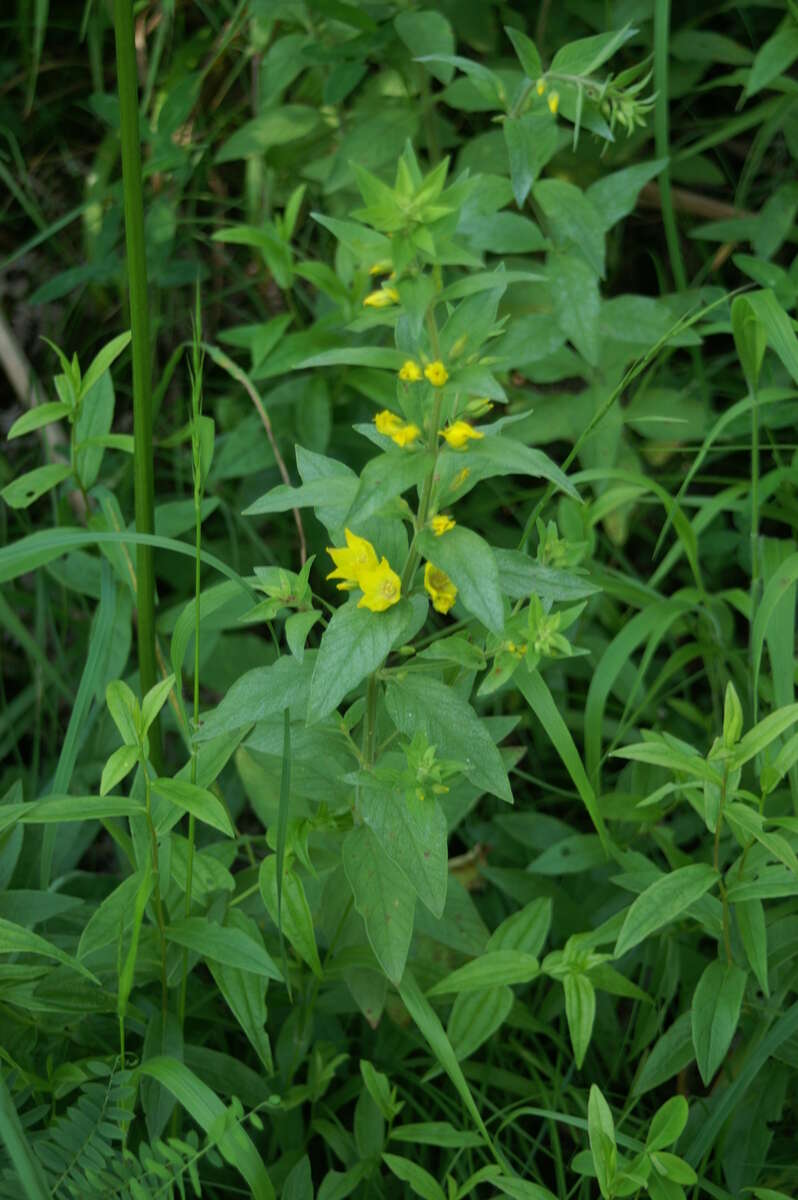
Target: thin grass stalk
[199, 487]
[127, 89]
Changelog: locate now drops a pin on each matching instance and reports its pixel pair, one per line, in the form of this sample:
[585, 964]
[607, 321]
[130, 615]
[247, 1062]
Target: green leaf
[492, 968]
[29, 487]
[383, 897]
[750, 916]
[260, 693]
[245, 994]
[520, 576]
[525, 930]
[586, 55]
[762, 734]
[774, 57]
[531, 141]
[580, 1012]
[228, 945]
[498, 455]
[297, 628]
[436, 1133]
[673, 1167]
[527, 53]
[55, 809]
[120, 764]
[750, 339]
[356, 356]
[670, 1054]
[154, 701]
[469, 562]
[383, 478]
[575, 296]
[714, 1015]
[103, 360]
[601, 1134]
[112, 918]
[450, 724]
[428, 32]
[205, 1107]
[355, 643]
[16, 940]
[25, 1162]
[432, 1031]
[310, 495]
[35, 418]
[413, 833]
[275, 127]
[125, 712]
[420, 1182]
[570, 217]
[536, 692]
[198, 801]
[668, 1123]
[662, 902]
[614, 196]
[476, 1016]
[295, 915]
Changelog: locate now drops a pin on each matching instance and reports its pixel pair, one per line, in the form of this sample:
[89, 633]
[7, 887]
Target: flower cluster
[404, 433]
[357, 566]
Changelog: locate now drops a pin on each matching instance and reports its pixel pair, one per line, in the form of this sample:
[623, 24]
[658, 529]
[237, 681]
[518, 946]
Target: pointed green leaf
[714, 1015]
[662, 902]
[383, 897]
[195, 800]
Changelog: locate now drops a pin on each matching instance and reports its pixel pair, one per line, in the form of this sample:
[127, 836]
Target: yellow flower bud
[540, 86]
[442, 524]
[554, 103]
[459, 434]
[440, 587]
[382, 299]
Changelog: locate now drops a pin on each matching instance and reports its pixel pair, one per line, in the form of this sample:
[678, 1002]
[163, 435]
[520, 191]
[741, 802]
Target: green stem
[142, 359]
[370, 720]
[156, 890]
[662, 15]
[756, 582]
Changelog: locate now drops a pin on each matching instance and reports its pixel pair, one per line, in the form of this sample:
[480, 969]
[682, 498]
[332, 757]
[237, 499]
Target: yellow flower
[540, 86]
[351, 561]
[410, 372]
[554, 103]
[458, 435]
[395, 428]
[442, 524]
[381, 587]
[436, 373]
[382, 299]
[440, 588]
[382, 267]
[406, 435]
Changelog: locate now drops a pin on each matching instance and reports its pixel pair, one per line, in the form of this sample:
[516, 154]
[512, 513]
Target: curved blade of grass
[37, 549]
[282, 828]
[729, 1100]
[539, 698]
[26, 1164]
[79, 724]
[651, 622]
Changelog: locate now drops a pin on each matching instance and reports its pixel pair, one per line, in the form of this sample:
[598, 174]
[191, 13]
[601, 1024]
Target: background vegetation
[179, 1011]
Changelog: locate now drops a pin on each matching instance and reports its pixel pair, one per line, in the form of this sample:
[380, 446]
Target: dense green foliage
[477, 873]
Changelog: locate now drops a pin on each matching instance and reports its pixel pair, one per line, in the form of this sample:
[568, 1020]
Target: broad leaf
[714, 1015]
[662, 902]
[355, 643]
[383, 897]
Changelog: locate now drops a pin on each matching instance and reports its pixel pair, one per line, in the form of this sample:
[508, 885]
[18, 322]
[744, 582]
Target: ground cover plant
[399, 742]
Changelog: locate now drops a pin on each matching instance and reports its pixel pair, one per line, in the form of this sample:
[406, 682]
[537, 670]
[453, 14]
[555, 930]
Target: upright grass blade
[101, 632]
[662, 17]
[142, 360]
[27, 1166]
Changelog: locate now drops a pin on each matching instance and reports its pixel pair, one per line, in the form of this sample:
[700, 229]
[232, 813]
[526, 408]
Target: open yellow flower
[410, 371]
[459, 434]
[351, 561]
[382, 299]
[436, 373]
[401, 432]
[440, 587]
[381, 587]
[442, 524]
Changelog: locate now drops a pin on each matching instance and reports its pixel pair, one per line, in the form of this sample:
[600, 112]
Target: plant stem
[662, 14]
[756, 582]
[156, 889]
[142, 359]
[370, 720]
